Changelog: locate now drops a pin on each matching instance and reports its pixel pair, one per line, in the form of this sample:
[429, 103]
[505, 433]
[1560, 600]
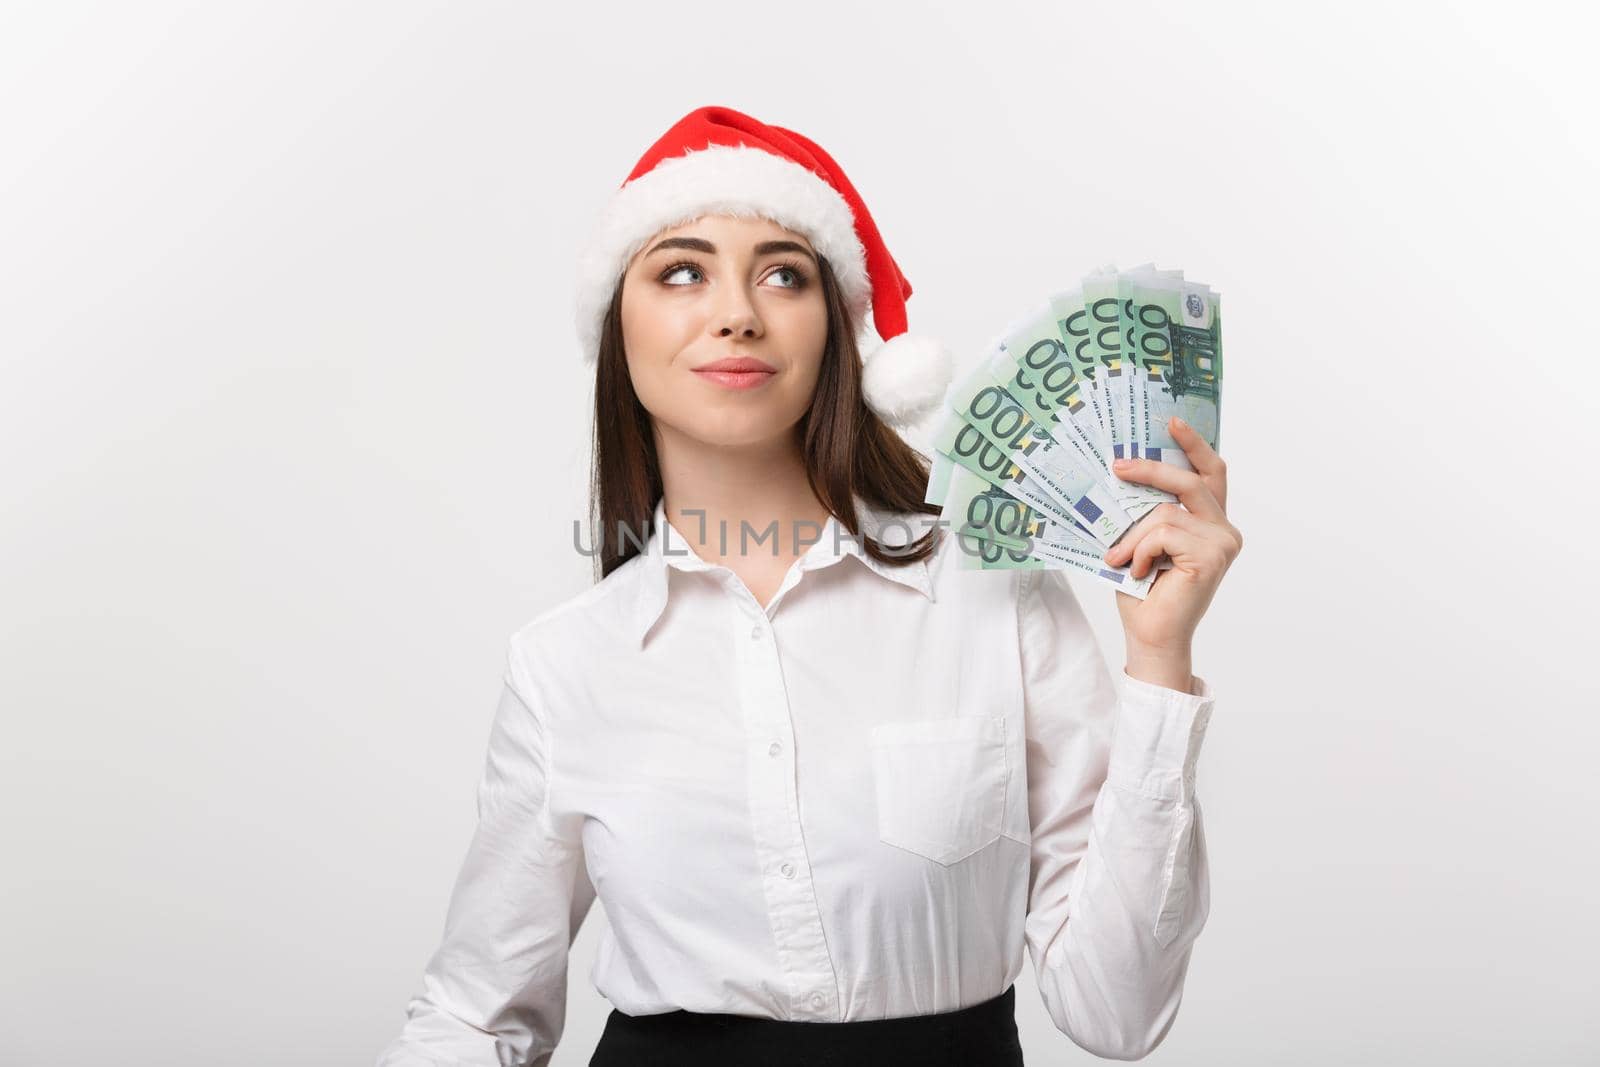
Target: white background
[293, 430]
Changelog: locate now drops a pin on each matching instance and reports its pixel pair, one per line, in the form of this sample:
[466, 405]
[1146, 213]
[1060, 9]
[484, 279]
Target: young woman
[826, 783]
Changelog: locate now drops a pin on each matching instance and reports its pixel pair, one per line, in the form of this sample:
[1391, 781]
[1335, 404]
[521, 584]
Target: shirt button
[818, 1000]
[755, 632]
[774, 748]
[787, 869]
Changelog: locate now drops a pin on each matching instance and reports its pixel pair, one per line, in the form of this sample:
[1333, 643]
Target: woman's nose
[737, 315]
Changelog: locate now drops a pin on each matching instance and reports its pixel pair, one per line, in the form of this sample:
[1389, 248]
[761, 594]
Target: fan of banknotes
[1023, 449]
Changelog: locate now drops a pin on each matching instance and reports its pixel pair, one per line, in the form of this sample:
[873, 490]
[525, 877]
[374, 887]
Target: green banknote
[1178, 335]
[1033, 365]
[986, 555]
[938, 478]
[1080, 491]
[1021, 464]
[960, 445]
[1132, 384]
[1072, 322]
[977, 507]
[1104, 345]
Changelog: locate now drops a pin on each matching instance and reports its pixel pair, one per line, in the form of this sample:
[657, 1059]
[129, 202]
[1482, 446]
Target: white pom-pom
[906, 378]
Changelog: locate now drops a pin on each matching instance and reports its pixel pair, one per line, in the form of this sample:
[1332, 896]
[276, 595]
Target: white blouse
[859, 802]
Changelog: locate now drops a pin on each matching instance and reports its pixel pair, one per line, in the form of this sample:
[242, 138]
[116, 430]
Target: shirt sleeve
[494, 992]
[1119, 884]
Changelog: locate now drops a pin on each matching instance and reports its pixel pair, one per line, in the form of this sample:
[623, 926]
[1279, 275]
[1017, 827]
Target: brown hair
[846, 447]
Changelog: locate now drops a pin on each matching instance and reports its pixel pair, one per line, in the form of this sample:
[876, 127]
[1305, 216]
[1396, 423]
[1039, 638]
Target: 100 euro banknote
[1023, 450]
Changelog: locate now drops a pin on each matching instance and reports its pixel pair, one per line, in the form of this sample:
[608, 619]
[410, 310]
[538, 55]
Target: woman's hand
[1202, 544]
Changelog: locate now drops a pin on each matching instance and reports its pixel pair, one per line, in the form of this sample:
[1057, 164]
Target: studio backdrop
[295, 432]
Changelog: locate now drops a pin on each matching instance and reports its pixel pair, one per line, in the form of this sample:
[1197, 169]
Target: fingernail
[1179, 423]
[1122, 464]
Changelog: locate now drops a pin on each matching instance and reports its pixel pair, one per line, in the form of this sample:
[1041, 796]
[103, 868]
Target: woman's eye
[678, 270]
[794, 274]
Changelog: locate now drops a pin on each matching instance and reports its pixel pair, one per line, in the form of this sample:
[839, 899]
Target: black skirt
[982, 1035]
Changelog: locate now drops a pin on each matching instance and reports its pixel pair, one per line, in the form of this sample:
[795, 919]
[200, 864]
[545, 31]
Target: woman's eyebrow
[698, 244]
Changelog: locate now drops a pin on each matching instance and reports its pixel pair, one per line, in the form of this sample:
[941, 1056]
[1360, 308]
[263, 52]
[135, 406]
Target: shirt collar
[668, 548]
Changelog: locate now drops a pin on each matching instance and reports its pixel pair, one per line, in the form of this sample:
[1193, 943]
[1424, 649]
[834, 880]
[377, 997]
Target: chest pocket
[940, 784]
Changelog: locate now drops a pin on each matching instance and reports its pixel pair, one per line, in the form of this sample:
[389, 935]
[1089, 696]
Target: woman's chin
[755, 427]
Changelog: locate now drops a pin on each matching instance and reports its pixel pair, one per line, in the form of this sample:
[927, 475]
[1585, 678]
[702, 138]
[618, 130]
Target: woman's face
[716, 289]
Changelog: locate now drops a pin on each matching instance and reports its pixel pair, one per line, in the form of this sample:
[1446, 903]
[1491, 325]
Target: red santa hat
[716, 160]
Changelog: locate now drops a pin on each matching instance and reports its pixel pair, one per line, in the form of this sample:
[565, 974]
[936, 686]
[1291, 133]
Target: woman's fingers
[1199, 451]
[1181, 544]
[1203, 458]
[1188, 486]
[1168, 513]
[1208, 466]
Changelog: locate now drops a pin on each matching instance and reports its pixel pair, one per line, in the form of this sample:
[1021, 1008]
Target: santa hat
[716, 160]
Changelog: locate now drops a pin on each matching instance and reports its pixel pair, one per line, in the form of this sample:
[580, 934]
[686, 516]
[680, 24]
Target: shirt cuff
[1158, 735]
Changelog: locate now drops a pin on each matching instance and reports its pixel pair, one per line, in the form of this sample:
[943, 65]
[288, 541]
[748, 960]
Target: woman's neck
[712, 493]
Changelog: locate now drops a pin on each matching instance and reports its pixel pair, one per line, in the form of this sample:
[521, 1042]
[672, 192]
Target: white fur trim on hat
[717, 180]
[906, 378]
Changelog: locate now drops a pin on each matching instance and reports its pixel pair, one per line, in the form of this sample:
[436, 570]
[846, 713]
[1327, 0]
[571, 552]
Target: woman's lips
[737, 372]
[731, 379]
